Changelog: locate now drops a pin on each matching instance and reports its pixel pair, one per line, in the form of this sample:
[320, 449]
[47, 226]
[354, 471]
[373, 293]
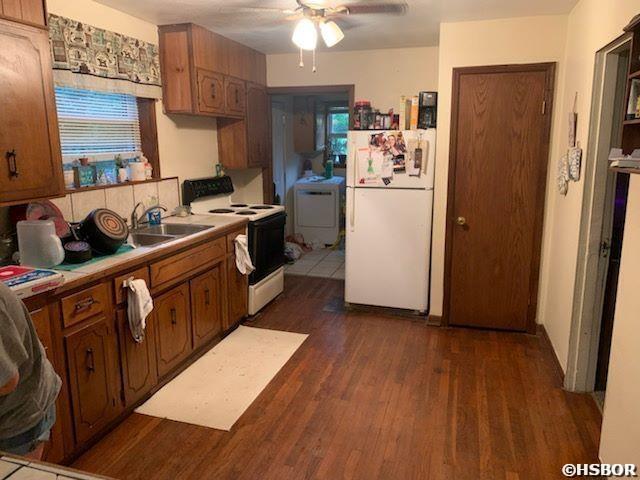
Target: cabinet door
[235, 92]
[29, 11]
[42, 323]
[173, 328]
[206, 305]
[139, 369]
[176, 70]
[94, 377]
[237, 293]
[30, 158]
[211, 95]
[258, 126]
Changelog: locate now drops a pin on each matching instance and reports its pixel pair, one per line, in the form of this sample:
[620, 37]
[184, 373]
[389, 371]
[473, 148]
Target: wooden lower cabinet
[173, 328]
[237, 293]
[55, 452]
[138, 360]
[206, 305]
[94, 376]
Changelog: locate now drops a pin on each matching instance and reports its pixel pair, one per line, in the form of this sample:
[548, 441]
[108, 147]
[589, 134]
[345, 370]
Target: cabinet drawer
[178, 266]
[84, 304]
[120, 291]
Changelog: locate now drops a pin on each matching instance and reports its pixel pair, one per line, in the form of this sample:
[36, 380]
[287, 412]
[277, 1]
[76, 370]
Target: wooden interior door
[206, 305]
[499, 153]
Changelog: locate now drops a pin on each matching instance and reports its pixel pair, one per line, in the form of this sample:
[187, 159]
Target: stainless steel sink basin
[174, 229]
[144, 240]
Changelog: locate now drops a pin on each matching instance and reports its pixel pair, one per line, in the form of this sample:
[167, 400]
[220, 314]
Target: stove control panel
[206, 187]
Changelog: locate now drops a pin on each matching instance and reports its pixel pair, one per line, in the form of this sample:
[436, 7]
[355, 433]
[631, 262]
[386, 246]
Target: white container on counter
[137, 172]
[38, 244]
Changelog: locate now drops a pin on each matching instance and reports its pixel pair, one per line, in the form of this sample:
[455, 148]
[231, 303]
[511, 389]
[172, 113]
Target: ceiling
[270, 32]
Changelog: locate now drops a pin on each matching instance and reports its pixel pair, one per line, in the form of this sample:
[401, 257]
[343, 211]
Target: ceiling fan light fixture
[305, 35]
[331, 33]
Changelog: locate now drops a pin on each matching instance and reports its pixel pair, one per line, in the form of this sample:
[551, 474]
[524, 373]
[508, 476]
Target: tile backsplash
[76, 206]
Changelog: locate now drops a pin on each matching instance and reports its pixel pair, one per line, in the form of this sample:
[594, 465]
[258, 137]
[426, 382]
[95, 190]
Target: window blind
[95, 123]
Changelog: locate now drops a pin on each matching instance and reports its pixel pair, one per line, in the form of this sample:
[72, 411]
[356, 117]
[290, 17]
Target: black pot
[104, 230]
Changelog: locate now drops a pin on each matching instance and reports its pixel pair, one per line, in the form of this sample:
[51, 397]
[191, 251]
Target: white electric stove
[265, 232]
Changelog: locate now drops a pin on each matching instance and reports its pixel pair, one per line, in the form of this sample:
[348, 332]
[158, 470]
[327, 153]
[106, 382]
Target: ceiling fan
[321, 15]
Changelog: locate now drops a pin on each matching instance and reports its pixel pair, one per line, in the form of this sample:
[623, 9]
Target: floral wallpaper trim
[88, 50]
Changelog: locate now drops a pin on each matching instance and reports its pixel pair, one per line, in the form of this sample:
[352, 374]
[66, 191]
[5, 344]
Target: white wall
[592, 24]
[493, 42]
[380, 76]
[188, 145]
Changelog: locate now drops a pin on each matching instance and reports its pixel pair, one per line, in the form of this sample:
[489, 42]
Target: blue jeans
[28, 441]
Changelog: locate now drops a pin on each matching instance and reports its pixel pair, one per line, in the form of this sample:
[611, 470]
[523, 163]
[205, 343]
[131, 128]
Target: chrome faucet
[135, 220]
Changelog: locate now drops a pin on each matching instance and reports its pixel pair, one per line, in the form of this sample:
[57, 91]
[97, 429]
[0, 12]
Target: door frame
[588, 295]
[549, 68]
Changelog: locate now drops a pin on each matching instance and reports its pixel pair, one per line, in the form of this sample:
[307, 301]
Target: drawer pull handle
[89, 362]
[174, 317]
[213, 90]
[237, 98]
[207, 297]
[12, 160]
[85, 304]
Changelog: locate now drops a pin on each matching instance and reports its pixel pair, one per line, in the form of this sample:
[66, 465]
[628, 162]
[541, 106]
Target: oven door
[266, 246]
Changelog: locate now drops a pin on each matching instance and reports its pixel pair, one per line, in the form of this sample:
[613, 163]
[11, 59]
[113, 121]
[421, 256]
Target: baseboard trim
[542, 333]
[434, 320]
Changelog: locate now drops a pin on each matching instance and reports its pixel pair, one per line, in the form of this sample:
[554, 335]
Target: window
[337, 129]
[98, 125]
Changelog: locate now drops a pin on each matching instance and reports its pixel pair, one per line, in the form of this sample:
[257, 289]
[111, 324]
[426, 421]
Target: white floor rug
[216, 390]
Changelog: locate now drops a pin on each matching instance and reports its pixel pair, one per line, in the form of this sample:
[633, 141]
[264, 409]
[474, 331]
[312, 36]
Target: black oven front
[266, 245]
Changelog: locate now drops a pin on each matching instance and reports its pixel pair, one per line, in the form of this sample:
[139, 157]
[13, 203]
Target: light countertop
[218, 222]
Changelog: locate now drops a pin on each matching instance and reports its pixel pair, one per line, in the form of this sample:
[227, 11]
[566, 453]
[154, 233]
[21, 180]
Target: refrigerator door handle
[352, 217]
[426, 156]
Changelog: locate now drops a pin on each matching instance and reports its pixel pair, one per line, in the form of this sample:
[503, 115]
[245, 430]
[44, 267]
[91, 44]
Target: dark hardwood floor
[370, 396]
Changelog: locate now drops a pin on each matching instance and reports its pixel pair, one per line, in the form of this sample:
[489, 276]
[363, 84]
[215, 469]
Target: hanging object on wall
[573, 122]
[562, 177]
[575, 162]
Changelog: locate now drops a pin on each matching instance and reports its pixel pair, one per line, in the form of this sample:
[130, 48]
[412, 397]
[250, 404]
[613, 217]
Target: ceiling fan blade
[376, 8]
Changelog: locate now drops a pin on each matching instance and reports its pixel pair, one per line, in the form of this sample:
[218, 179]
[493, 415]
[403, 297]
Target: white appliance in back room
[390, 177]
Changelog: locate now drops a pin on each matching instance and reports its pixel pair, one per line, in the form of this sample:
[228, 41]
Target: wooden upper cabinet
[258, 119]
[176, 70]
[211, 92]
[30, 157]
[235, 92]
[32, 12]
[94, 377]
[201, 69]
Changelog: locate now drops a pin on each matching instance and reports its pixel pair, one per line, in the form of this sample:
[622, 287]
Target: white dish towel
[243, 259]
[140, 305]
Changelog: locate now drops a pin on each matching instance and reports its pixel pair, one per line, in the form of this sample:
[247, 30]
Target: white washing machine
[317, 206]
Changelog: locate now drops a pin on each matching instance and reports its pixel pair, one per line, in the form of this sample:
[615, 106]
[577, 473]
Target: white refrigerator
[390, 178]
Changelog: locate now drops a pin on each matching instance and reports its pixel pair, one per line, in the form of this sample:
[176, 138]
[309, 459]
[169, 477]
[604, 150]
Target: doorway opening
[310, 126]
[602, 228]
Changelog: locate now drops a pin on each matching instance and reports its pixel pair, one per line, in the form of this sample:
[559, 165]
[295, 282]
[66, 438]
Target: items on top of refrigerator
[416, 112]
[367, 118]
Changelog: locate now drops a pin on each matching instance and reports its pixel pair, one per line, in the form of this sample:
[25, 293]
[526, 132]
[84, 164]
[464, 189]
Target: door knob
[461, 221]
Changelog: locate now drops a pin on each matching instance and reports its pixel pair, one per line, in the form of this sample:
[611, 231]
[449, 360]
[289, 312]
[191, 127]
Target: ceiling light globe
[305, 35]
[331, 33]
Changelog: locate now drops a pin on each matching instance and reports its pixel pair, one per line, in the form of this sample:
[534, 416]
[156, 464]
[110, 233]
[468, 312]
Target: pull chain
[314, 61]
[301, 64]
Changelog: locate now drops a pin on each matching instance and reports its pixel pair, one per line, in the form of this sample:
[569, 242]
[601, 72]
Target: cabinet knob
[89, 361]
[174, 319]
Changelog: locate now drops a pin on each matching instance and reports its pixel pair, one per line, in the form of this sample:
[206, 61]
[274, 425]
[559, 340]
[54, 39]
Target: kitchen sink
[145, 240]
[173, 229]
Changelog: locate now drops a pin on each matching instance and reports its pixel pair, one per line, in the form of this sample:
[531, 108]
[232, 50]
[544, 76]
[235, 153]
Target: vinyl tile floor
[325, 263]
